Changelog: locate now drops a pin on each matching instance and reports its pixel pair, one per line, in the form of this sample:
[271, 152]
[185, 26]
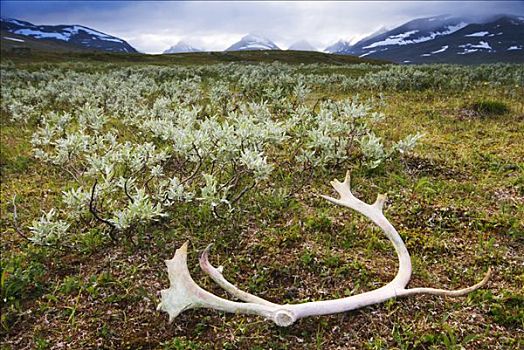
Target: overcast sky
[153, 26]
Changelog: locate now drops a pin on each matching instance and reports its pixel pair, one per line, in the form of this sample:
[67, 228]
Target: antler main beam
[184, 293]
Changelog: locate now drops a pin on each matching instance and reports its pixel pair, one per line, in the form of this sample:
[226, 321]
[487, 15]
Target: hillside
[42, 54]
[10, 42]
[108, 168]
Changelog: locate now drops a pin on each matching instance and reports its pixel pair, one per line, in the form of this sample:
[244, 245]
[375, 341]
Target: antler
[184, 293]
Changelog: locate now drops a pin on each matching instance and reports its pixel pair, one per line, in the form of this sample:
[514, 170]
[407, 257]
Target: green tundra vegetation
[109, 166]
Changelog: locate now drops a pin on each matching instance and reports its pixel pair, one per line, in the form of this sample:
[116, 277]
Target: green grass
[457, 201]
[489, 107]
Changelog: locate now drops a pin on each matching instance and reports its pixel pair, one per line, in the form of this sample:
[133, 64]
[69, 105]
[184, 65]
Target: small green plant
[41, 343]
[307, 257]
[70, 285]
[19, 277]
[179, 344]
[490, 107]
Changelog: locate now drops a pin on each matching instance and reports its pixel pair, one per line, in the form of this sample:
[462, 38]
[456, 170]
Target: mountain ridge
[447, 39]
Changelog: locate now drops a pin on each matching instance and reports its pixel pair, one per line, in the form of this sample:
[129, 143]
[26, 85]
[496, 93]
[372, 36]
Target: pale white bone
[184, 293]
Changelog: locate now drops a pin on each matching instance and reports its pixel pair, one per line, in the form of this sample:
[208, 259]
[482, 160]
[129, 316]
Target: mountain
[445, 39]
[182, 46]
[76, 36]
[413, 32]
[12, 42]
[302, 45]
[253, 42]
[341, 46]
[382, 30]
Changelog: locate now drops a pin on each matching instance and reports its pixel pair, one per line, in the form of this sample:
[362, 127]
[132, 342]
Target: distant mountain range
[76, 36]
[440, 39]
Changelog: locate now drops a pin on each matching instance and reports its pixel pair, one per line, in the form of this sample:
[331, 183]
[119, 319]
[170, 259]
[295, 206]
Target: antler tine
[380, 201]
[181, 282]
[449, 293]
[219, 279]
[343, 188]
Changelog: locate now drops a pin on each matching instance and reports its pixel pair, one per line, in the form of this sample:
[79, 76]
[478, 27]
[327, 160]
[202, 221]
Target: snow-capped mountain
[182, 46]
[447, 39]
[302, 45]
[253, 42]
[413, 32]
[76, 35]
[341, 46]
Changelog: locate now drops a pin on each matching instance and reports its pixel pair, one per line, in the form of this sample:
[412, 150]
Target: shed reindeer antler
[184, 293]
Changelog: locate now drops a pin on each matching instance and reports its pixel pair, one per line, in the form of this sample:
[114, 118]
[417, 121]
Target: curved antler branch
[184, 293]
[374, 213]
[216, 275]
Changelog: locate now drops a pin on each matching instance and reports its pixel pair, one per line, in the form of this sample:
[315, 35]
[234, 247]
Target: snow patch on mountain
[466, 51]
[20, 40]
[112, 39]
[42, 35]
[470, 48]
[483, 45]
[480, 45]
[76, 29]
[477, 34]
[444, 48]
[368, 53]
[449, 30]
[393, 40]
